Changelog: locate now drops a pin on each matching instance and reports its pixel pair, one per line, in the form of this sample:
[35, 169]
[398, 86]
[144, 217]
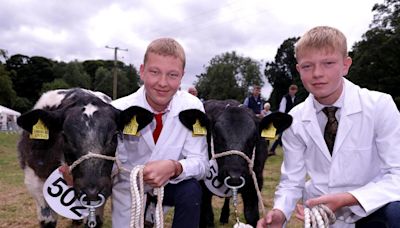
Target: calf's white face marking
[89, 110]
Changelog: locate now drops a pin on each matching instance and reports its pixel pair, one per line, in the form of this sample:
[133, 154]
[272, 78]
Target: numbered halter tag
[61, 197]
[269, 133]
[199, 130]
[213, 184]
[132, 127]
[39, 131]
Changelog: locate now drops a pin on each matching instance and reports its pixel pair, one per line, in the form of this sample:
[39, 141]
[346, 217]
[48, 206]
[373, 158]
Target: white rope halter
[90, 155]
[319, 216]
[251, 165]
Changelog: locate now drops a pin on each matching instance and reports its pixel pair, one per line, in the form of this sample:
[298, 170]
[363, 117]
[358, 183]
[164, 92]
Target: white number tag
[61, 197]
[213, 184]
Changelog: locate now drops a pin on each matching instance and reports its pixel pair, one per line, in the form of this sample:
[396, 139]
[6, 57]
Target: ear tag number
[61, 197]
[39, 131]
[269, 133]
[198, 130]
[132, 127]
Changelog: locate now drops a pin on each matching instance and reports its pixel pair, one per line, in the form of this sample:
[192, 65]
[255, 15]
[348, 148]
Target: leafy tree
[228, 76]
[75, 75]
[58, 83]
[22, 104]
[7, 93]
[133, 78]
[376, 58]
[28, 74]
[103, 81]
[281, 73]
[128, 77]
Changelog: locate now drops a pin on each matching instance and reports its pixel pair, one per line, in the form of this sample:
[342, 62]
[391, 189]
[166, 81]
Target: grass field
[17, 208]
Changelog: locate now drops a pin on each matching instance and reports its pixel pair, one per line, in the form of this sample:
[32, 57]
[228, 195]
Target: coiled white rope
[319, 216]
[138, 200]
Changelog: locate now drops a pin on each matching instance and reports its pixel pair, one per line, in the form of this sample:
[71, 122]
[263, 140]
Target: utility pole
[115, 80]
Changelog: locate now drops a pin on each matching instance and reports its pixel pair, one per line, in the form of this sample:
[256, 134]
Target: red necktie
[159, 126]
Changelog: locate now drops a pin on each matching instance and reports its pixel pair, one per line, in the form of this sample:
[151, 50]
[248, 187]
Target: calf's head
[237, 128]
[82, 128]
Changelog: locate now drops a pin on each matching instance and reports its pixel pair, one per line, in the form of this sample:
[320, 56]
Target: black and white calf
[235, 127]
[78, 121]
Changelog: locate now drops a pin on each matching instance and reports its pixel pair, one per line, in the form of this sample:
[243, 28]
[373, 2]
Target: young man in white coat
[358, 177]
[176, 158]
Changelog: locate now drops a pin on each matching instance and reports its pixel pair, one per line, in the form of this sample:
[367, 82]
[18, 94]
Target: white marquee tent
[8, 119]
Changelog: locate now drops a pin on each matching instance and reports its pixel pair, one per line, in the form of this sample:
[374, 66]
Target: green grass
[17, 208]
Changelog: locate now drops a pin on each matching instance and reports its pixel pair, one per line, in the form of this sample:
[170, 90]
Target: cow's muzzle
[92, 205]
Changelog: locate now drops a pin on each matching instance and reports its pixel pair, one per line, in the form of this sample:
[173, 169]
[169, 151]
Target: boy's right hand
[274, 219]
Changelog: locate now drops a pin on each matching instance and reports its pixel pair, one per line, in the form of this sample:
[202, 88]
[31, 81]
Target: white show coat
[175, 142]
[365, 160]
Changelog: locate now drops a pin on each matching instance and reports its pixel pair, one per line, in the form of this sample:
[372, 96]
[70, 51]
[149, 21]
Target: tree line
[23, 79]
[376, 65]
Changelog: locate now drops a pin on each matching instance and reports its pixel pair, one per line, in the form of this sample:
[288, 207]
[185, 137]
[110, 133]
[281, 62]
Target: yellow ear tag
[199, 130]
[132, 127]
[269, 133]
[39, 131]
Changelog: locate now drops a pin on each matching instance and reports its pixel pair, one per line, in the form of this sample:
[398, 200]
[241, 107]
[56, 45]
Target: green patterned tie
[331, 127]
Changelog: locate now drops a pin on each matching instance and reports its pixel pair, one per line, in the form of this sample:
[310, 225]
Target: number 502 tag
[61, 197]
[212, 183]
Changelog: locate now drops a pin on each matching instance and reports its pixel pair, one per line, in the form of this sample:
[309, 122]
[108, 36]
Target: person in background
[287, 103]
[289, 100]
[254, 101]
[171, 155]
[266, 111]
[193, 91]
[343, 147]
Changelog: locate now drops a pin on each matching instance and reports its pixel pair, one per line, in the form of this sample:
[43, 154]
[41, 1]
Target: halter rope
[137, 192]
[90, 155]
[250, 164]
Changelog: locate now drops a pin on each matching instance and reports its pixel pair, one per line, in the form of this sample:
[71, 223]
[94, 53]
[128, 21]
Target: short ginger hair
[322, 38]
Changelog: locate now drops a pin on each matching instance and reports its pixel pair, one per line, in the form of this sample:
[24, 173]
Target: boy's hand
[334, 201]
[274, 219]
[300, 212]
[64, 169]
[157, 173]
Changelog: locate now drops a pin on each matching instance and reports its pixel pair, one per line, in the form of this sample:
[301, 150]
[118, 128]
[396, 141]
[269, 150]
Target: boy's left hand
[334, 201]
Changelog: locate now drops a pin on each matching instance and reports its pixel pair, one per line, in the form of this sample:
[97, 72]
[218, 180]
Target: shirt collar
[339, 103]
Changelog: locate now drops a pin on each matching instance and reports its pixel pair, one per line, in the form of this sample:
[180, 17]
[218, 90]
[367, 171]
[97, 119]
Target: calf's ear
[281, 121]
[53, 120]
[143, 117]
[189, 117]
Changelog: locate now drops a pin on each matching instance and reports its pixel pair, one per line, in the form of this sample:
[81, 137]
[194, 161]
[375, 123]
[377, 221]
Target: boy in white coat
[176, 158]
[359, 180]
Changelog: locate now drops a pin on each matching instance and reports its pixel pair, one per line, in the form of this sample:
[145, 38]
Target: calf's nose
[92, 193]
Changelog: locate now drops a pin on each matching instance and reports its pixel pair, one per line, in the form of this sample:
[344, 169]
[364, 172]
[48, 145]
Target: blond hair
[166, 47]
[323, 38]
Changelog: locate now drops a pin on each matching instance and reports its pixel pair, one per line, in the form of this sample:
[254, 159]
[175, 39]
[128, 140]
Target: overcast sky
[69, 30]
